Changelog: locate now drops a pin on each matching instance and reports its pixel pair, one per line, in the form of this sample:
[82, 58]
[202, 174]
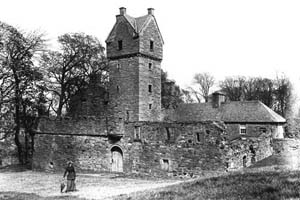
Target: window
[262, 130]
[150, 106]
[137, 133]
[198, 137]
[150, 88]
[243, 129]
[150, 66]
[127, 115]
[151, 45]
[168, 131]
[118, 89]
[165, 164]
[120, 44]
[118, 66]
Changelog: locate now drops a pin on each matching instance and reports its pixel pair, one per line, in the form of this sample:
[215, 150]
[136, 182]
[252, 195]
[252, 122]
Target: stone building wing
[234, 111]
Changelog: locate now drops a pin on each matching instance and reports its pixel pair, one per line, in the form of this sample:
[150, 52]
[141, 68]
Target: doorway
[116, 159]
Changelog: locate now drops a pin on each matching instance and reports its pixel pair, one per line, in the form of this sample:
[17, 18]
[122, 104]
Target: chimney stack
[217, 99]
[122, 11]
[150, 11]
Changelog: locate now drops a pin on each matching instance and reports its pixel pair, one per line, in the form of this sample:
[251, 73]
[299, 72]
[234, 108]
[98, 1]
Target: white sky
[225, 38]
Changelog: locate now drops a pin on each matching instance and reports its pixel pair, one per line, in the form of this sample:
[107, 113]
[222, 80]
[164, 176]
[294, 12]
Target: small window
[198, 137]
[243, 129]
[207, 132]
[118, 66]
[165, 164]
[168, 131]
[137, 133]
[120, 44]
[127, 115]
[262, 130]
[150, 106]
[118, 89]
[150, 88]
[151, 45]
[150, 66]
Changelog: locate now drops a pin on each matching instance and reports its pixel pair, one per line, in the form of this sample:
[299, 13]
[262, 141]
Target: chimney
[122, 11]
[217, 99]
[150, 11]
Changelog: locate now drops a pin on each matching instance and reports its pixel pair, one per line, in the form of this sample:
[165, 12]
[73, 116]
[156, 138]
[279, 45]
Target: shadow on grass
[259, 185]
[31, 196]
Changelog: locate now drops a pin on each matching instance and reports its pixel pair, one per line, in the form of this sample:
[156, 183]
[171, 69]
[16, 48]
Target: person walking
[71, 176]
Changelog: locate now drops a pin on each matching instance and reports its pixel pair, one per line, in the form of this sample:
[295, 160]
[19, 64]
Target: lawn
[271, 185]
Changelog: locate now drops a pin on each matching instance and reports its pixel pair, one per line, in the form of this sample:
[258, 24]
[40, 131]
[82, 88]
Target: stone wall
[155, 148]
[253, 129]
[123, 31]
[245, 151]
[151, 32]
[149, 77]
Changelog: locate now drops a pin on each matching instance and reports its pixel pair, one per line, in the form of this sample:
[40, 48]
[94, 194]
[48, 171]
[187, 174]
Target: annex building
[124, 129]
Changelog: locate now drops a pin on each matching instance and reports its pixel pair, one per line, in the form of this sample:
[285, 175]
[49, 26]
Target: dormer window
[120, 45]
[151, 45]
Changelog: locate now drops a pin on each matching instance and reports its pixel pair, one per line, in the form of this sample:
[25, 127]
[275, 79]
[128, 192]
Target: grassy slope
[259, 185]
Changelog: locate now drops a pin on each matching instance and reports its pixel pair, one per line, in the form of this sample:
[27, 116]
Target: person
[71, 176]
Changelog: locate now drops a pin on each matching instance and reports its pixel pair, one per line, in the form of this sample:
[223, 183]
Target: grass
[248, 184]
[270, 185]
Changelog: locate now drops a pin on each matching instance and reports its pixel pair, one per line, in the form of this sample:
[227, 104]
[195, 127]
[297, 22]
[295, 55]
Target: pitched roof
[234, 111]
[137, 24]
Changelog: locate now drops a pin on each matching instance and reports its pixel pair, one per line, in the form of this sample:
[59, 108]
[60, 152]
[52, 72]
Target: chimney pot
[122, 11]
[150, 11]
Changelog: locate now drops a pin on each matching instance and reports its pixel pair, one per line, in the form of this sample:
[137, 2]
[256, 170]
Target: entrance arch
[116, 159]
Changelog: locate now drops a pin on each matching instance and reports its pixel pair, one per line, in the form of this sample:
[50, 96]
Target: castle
[126, 130]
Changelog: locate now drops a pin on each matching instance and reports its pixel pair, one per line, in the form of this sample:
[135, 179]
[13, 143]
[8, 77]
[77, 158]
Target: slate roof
[137, 24]
[230, 112]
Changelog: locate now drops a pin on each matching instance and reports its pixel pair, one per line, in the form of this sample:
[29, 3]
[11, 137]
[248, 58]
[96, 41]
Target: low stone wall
[286, 145]
[245, 151]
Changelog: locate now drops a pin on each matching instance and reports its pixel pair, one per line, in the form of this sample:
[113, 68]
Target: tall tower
[135, 50]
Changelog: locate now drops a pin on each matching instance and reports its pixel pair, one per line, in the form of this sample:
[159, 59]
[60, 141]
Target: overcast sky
[223, 37]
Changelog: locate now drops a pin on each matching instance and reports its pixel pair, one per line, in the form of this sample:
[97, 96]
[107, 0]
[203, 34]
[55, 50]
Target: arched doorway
[116, 159]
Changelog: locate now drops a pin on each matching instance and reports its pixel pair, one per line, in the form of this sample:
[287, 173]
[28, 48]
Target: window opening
[150, 66]
[150, 88]
[151, 45]
[150, 106]
[243, 129]
[137, 133]
[120, 44]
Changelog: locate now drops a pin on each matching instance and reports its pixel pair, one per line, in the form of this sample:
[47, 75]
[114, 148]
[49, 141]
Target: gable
[121, 27]
[150, 23]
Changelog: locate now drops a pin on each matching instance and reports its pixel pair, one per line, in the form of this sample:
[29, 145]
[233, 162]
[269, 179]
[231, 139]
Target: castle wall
[183, 148]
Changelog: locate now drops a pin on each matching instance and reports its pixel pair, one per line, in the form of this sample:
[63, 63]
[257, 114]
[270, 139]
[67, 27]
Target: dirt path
[102, 186]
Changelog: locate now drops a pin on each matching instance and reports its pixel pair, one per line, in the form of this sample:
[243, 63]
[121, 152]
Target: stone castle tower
[135, 50]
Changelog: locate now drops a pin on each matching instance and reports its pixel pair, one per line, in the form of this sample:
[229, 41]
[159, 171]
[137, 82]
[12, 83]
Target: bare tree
[233, 87]
[203, 82]
[19, 77]
[70, 68]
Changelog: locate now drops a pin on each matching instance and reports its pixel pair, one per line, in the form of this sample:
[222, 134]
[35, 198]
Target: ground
[269, 179]
[90, 186]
